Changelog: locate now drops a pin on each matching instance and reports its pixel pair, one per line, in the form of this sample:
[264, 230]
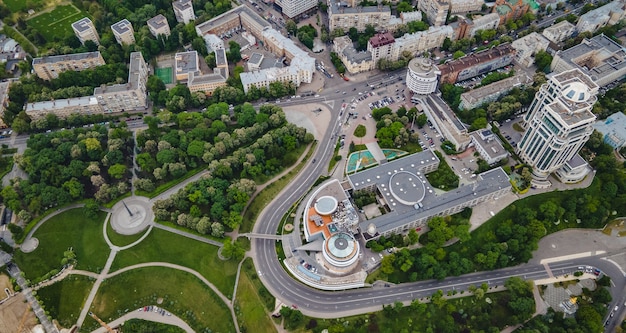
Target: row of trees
[70, 165]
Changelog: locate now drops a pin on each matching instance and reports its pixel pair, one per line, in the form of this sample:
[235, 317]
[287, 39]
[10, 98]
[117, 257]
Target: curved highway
[336, 304]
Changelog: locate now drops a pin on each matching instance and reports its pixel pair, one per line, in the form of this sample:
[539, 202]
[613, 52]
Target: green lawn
[69, 229]
[182, 293]
[57, 23]
[122, 240]
[164, 246]
[252, 314]
[65, 299]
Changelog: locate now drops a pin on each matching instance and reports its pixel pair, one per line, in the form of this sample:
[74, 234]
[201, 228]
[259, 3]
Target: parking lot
[509, 133]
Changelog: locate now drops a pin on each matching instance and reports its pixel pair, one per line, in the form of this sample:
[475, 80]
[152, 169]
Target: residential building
[436, 10]
[341, 17]
[130, 96]
[63, 108]
[421, 41]
[512, 9]
[234, 20]
[558, 123]
[185, 63]
[422, 76]
[381, 46]
[608, 14]
[613, 130]
[48, 68]
[296, 8]
[477, 63]
[491, 92]
[117, 98]
[123, 32]
[407, 17]
[485, 22]
[85, 30]
[354, 61]
[445, 120]
[158, 25]
[207, 83]
[464, 6]
[527, 46]
[488, 146]
[10, 51]
[559, 32]
[600, 57]
[409, 199]
[213, 42]
[183, 10]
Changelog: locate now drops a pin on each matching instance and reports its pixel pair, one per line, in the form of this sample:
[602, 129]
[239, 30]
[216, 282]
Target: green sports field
[165, 74]
[57, 22]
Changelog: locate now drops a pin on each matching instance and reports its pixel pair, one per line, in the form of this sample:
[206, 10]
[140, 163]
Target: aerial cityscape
[253, 166]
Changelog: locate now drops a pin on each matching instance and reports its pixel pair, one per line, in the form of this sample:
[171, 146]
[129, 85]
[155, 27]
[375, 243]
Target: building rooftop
[424, 67]
[477, 58]
[576, 161]
[217, 21]
[61, 103]
[67, 57]
[256, 59]
[569, 114]
[158, 22]
[82, 25]
[381, 39]
[217, 76]
[182, 4]
[432, 203]
[134, 76]
[187, 62]
[337, 8]
[491, 145]
[601, 14]
[559, 27]
[122, 27]
[614, 125]
[443, 112]
[475, 95]
[220, 57]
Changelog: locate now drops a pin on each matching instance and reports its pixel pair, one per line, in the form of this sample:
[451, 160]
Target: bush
[360, 131]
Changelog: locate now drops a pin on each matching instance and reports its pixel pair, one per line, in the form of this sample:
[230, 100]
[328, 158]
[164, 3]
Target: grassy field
[252, 311]
[182, 293]
[122, 240]
[57, 22]
[66, 230]
[65, 299]
[164, 246]
[269, 193]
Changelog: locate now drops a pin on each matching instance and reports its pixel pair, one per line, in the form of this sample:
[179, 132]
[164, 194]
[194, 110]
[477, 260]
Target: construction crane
[23, 320]
[103, 324]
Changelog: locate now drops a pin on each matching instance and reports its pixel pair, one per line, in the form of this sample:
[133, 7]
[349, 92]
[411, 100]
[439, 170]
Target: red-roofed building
[381, 46]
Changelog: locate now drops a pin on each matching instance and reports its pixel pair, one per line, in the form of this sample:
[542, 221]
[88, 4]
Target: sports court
[165, 74]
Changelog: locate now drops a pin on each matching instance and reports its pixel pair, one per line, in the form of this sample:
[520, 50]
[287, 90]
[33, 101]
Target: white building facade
[422, 76]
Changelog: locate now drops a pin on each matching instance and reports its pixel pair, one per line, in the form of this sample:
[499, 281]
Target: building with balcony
[491, 92]
[485, 22]
[63, 108]
[421, 41]
[130, 96]
[436, 10]
[381, 46]
[48, 68]
[123, 32]
[422, 76]
[558, 123]
[296, 8]
[158, 25]
[559, 32]
[85, 30]
[183, 10]
[600, 57]
[354, 61]
[465, 6]
[342, 17]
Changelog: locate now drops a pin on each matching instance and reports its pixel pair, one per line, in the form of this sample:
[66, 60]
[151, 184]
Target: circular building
[407, 188]
[326, 205]
[341, 250]
[422, 76]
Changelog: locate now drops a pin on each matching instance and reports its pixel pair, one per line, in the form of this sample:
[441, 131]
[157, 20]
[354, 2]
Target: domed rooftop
[371, 229]
[576, 92]
[341, 246]
[407, 188]
[421, 65]
[326, 205]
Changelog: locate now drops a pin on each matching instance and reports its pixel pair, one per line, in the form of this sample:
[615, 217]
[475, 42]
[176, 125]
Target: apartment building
[296, 8]
[341, 17]
[422, 40]
[465, 6]
[485, 22]
[422, 76]
[608, 14]
[123, 32]
[129, 96]
[477, 63]
[183, 10]
[491, 92]
[48, 68]
[381, 46]
[158, 25]
[559, 122]
[85, 30]
[527, 46]
[600, 57]
[63, 108]
[559, 32]
[354, 61]
[436, 10]
[511, 9]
